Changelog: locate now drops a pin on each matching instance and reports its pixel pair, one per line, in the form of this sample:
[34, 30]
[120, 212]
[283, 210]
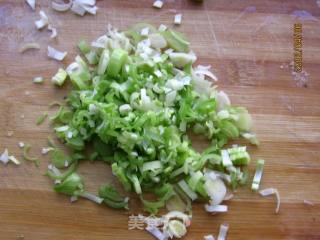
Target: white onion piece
[90, 9]
[208, 237]
[158, 4]
[14, 160]
[144, 31]
[223, 114]
[57, 181]
[43, 21]
[216, 190]
[54, 170]
[214, 174]
[158, 73]
[21, 144]
[146, 102]
[101, 42]
[226, 161]
[92, 197]
[181, 59]
[223, 100]
[178, 19]
[38, 80]
[184, 186]
[258, 175]
[223, 231]
[170, 98]
[86, 2]
[210, 174]
[45, 151]
[168, 51]
[125, 108]
[176, 228]
[73, 199]
[173, 84]
[5, 156]
[201, 85]
[180, 215]
[216, 208]
[55, 54]
[251, 138]
[27, 46]
[54, 33]
[228, 197]
[204, 70]
[32, 4]
[154, 231]
[162, 28]
[272, 191]
[307, 202]
[61, 7]
[78, 9]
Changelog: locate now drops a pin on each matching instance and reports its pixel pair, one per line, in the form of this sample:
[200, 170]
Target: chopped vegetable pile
[136, 98]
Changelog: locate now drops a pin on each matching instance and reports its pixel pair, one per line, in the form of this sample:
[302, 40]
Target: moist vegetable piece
[134, 101]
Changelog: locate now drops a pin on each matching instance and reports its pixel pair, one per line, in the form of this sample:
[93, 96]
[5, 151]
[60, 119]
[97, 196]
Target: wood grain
[246, 49]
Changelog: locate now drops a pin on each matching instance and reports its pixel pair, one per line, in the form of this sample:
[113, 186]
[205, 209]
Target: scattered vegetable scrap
[42, 118]
[43, 21]
[79, 7]
[5, 158]
[223, 231]
[178, 19]
[38, 80]
[26, 156]
[158, 4]
[272, 191]
[258, 175]
[32, 4]
[28, 46]
[56, 54]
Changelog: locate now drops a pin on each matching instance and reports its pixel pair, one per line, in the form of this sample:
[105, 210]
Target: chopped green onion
[84, 47]
[239, 156]
[112, 198]
[64, 175]
[216, 190]
[103, 62]
[175, 203]
[59, 159]
[14, 160]
[92, 57]
[272, 191]
[135, 95]
[258, 175]
[26, 156]
[251, 137]
[176, 228]
[55, 103]
[184, 186]
[41, 118]
[176, 40]
[117, 60]
[60, 77]
[38, 80]
[72, 185]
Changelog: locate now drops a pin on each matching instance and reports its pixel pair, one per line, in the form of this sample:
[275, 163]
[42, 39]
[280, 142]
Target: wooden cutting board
[248, 43]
